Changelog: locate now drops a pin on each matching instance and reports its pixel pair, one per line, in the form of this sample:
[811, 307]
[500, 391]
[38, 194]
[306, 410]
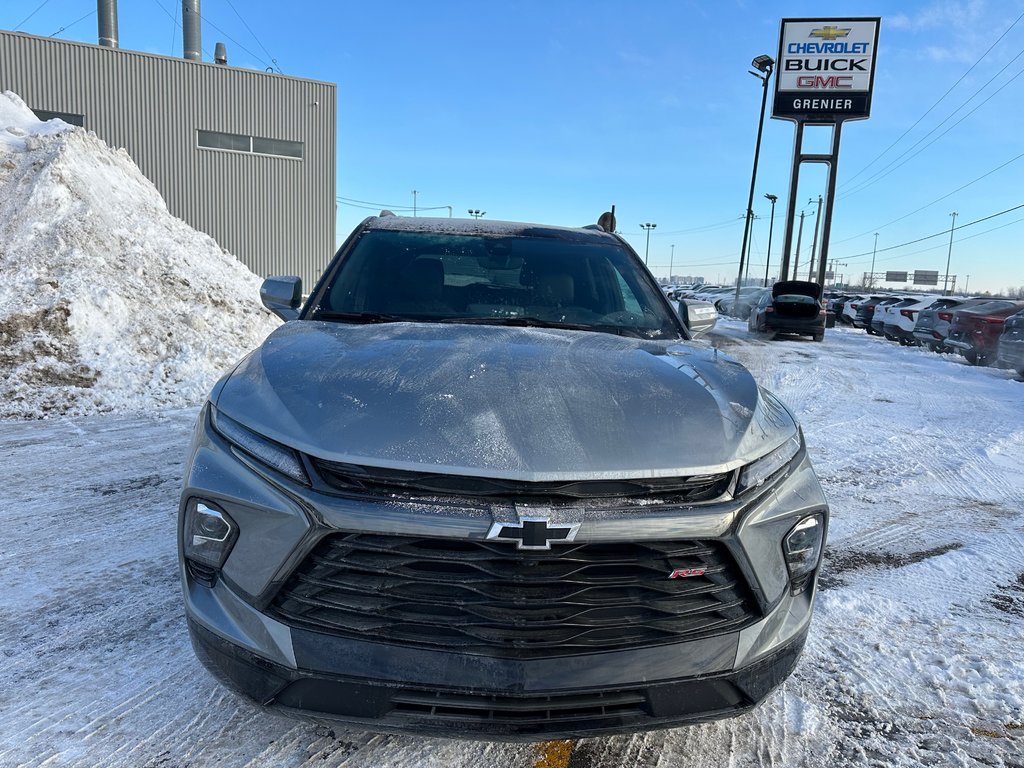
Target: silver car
[482, 485]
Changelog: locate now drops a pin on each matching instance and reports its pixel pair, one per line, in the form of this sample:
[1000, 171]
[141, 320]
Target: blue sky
[552, 111]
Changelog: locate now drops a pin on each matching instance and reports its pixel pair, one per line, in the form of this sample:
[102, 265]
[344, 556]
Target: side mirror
[698, 316]
[282, 296]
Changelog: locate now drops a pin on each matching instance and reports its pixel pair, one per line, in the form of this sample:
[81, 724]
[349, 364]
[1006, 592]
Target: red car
[974, 333]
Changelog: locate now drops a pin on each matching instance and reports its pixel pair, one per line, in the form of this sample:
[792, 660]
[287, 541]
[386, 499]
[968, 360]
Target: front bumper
[500, 706]
[391, 686]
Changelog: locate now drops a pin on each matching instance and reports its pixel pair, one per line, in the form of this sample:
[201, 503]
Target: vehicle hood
[799, 287]
[517, 403]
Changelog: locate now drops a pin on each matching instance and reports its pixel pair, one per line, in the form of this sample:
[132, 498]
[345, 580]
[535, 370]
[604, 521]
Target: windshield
[494, 279]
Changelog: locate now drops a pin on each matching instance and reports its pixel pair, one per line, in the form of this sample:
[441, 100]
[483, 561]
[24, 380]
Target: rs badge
[685, 573]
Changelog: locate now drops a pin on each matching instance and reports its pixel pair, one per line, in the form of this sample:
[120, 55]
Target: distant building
[247, 157]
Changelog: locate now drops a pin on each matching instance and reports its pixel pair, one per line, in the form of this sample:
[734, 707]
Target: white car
[850, 308]
[899, 319]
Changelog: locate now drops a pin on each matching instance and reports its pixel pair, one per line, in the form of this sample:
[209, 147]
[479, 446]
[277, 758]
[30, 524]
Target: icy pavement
[913, 659]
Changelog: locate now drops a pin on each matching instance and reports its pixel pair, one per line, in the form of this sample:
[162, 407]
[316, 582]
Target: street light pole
[874, 250]
[647, 226]
[945, 282]
[771, 227]
[765, 65]
[414, 203]
[671, 263]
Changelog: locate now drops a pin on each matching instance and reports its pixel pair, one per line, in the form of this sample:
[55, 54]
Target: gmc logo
[819, 82]
[685, 573]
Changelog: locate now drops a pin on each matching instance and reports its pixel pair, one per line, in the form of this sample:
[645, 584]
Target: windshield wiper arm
[536, 322]
[360, 317]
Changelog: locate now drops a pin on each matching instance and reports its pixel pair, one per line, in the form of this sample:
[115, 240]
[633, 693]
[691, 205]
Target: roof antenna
[606, 220]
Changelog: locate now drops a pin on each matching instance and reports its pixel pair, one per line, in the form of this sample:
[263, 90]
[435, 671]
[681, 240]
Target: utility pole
[796, 259]
[874, 250]
[968, 282]
[814, 242]
[648, 226]
[945, 282]
[671, 263]
[414, 203]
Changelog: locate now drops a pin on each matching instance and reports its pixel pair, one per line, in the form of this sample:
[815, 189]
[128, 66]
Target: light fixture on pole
[945, 282]
[765, 65]
[871, 279]
[648, 226]
[771, 227]
[476, 213]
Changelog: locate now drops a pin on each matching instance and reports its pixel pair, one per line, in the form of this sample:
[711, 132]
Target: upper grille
[489, 598]
[354, 479]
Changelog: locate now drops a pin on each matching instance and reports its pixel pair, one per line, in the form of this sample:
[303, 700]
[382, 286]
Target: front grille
[591, 708]
[378, 482]
[488, 598]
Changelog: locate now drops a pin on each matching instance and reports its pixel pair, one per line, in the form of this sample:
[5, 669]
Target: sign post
[824, 76]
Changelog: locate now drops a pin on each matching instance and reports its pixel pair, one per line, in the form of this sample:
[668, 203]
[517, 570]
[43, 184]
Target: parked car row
[984, 331]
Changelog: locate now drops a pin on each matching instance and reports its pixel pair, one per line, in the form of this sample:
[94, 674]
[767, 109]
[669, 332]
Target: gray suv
[481, 484]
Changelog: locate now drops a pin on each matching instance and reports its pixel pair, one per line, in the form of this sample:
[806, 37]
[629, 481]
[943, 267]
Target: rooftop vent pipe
[220, 54]
[106, 14]
[192, 39]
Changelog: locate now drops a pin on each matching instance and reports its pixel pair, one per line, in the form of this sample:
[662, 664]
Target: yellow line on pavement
[553, 754]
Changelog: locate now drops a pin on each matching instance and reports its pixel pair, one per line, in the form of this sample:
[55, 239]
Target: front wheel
[818, 337]
[971, 356]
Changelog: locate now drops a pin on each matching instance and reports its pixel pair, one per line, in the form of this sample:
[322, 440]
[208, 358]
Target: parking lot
[913, 657]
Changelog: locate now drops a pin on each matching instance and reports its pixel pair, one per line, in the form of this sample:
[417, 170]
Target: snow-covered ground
[914, 656]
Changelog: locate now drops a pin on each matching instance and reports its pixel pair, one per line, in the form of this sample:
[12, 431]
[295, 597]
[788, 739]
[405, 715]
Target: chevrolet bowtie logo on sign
[829, 33]
[533, 533]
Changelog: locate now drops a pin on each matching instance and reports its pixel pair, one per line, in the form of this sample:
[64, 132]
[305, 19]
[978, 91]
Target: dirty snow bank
[107, 303]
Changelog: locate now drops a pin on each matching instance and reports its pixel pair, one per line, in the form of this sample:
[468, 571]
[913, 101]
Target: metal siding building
[275, 213]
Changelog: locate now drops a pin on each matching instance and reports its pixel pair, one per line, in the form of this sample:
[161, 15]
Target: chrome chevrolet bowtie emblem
[533, 532]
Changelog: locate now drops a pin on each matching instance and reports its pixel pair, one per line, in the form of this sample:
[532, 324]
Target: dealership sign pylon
[825, 72]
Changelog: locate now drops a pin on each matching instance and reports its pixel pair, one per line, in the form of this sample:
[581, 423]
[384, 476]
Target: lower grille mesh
[488, 598]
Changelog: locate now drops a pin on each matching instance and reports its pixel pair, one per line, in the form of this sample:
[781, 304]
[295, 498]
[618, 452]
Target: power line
[937, 234]
[258, 41]
[68, 26]
[933, 106]
[941, 246]
[37, 10]
[933, 202]
[890, 167]
[373, 207]
[229, 37]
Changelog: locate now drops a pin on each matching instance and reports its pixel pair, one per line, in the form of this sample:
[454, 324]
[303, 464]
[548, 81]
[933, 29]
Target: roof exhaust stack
[220, 54]
[192, 38]
[106, 15]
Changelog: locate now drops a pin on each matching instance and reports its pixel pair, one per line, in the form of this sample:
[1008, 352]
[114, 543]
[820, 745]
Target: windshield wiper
[537, 322]
[361, 317]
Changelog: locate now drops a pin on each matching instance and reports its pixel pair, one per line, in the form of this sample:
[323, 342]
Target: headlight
[208, 534]
[802, 548]
[755, 473]
[274, 455]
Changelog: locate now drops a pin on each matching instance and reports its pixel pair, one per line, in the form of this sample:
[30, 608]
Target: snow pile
[107, 302]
